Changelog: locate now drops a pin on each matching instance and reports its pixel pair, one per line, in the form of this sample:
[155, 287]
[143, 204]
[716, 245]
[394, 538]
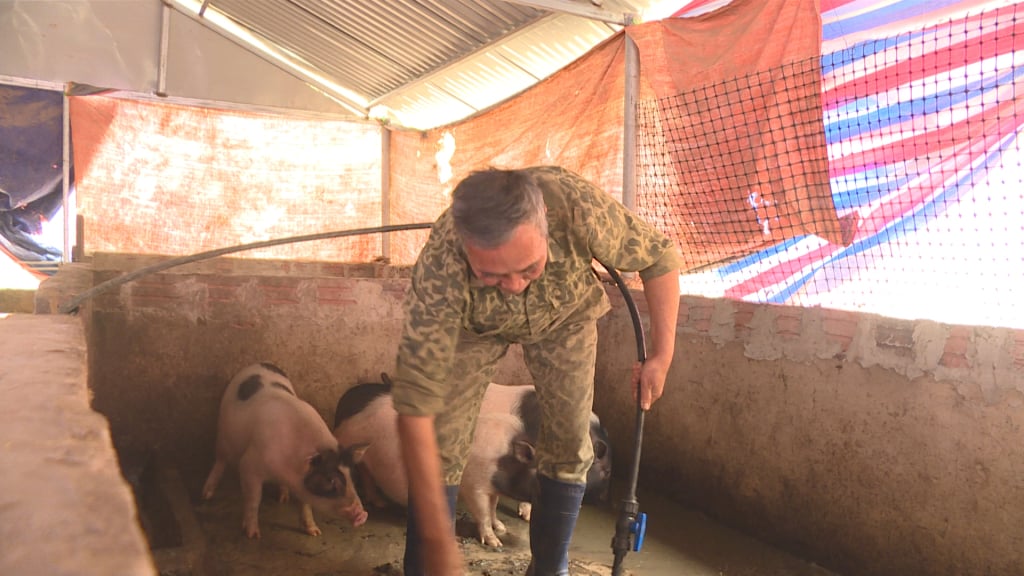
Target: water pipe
[72, 305]
[631, 526]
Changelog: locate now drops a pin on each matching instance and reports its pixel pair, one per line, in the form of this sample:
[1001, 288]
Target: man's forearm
[423, 468]
[662, 295]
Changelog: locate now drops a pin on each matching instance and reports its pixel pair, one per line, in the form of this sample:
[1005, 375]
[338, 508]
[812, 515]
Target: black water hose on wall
[631, 526]
[72, 305]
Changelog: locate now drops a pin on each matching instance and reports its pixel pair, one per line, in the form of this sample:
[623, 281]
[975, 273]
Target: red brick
[395, 288]
[154, 291]
[954, 361]
[839, 323]
[1018, 350]
[959, 341]
[224, 288]
[158, 280]
[278, 290]
[336, 282]
[840, 326]
[788, 322]
[699, 317]
[337, 270]
[153, 294]
[743, 313]
[277, 281]
[335, 296]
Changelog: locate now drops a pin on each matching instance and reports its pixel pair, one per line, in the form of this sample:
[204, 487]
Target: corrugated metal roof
[427, 62]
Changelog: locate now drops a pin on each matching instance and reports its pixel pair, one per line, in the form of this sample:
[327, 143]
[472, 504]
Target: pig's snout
[330, 476]
[355, 513]
[345, 502]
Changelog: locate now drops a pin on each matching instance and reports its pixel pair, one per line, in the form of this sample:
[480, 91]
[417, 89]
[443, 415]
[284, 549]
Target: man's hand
[649, 380]
[442, 557]
[662, 293]
[441, 554]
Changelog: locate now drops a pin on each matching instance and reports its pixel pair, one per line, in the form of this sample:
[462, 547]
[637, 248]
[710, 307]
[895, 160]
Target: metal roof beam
[579, 9]
[267, 52]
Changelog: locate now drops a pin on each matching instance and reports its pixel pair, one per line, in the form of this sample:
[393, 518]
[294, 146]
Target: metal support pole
[66, 180]
[385, 190]
[165, 34]
[632, 89]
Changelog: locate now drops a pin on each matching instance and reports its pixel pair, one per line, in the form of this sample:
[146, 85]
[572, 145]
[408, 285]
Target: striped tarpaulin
[919, 101]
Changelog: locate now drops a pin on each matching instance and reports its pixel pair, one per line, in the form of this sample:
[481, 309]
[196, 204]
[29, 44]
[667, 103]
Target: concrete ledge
[64, 506]
[14, 300]
[72, 279]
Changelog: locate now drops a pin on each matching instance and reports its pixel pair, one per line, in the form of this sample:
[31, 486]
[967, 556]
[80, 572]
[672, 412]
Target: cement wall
[870, 445]
[64, 507]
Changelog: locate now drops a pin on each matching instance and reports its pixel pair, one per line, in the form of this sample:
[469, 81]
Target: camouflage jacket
[584, 223]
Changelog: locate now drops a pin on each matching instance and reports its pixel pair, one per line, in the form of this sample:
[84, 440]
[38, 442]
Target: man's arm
[441, 555]
[662, 294]
[619, 238]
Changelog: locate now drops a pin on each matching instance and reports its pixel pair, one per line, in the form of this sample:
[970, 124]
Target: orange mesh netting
[732, 145]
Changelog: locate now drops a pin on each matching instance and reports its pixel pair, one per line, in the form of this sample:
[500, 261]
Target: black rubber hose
[630, 506]
[72, 305]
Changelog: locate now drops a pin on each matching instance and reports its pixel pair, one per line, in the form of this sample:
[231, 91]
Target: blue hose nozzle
[638, 528]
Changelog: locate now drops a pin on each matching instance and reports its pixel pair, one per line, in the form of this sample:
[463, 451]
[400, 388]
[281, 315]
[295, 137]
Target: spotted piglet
[273, 436]
[522, 402]
[500, 460]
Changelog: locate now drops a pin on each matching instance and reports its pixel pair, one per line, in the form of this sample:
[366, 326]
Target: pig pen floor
[679, 543]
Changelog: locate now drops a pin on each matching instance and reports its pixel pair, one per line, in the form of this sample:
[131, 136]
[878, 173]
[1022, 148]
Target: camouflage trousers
[562, 365]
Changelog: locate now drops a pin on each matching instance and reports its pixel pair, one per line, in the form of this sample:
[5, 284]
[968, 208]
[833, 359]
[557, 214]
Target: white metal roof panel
[428, 62]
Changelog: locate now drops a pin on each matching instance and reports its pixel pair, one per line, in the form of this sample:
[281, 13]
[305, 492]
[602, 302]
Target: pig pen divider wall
[71, 306]
[631, 525]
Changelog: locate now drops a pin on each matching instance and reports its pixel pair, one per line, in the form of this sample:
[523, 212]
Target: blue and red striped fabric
[920, 101]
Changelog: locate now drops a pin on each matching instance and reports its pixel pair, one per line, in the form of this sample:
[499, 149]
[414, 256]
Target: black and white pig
[522, 401]
[273, 436]
[500, 461]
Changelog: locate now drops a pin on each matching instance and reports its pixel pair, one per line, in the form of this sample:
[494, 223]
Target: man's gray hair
[488, 205]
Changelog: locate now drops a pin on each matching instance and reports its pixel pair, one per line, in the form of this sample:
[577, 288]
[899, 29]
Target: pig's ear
[358, 450]
[523, 451]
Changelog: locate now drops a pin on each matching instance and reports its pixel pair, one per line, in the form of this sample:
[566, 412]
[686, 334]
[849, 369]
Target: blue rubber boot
[552, 522]
[412, 563]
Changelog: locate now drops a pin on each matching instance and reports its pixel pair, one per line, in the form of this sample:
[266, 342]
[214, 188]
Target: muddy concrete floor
[679, 542]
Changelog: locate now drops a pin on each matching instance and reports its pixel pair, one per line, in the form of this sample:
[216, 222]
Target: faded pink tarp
[155, 178]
